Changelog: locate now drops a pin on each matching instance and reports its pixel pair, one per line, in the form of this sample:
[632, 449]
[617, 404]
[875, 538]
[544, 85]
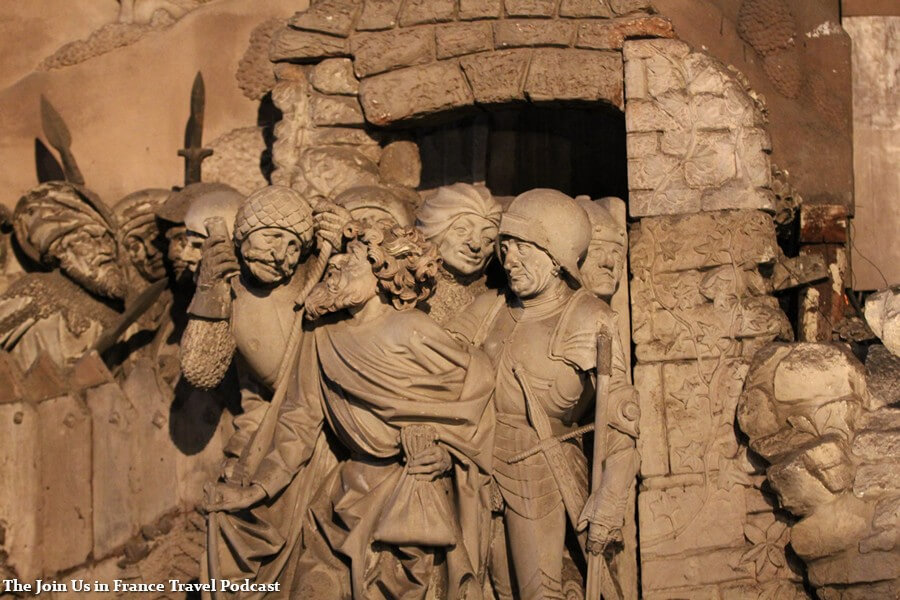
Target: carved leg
[536, 546]
[499, 565]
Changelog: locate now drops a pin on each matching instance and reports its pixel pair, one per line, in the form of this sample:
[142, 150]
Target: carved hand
[429, 464]
[230, 497]
[218, 260]
[233, 470]
[600, 536]
[331, 220]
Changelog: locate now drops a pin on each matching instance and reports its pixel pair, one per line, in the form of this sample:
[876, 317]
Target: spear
[193, 152]
[58, 135]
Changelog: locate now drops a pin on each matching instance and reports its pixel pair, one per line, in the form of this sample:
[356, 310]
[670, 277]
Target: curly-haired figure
[410, 406]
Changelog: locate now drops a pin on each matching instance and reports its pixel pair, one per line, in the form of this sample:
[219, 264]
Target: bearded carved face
[178, 250]
[529, 269]
[271, 254]
[467, 244]
[349, 282]
[90, 257]
[602, 267]
[141, 245]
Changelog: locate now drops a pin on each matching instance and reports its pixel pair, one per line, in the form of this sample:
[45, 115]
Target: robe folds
[363, 383]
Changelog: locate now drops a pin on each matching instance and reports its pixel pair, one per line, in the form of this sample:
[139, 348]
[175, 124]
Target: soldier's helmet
[275, 206]
[552, 221]
[220, 202]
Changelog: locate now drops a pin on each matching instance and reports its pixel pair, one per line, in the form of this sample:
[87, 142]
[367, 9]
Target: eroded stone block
[382, 51]
[641, 145]
[529, 8]
[717, 566]
[650, 48]
[575, 75]
[664, 202]
[497, 77]
[712, 161]
[335, 76]
[328, 16]
[531, 32]
[378, 14]
[328, 110]
[611, 35]
[10, 379]
[873, 480]
[819, 373]
[652, 443]
[463, 38]
[585, 8]
[401, 164]
[415, 91]
[292, 44]
[811, 477]
[622, 7]
[415, 12]
[738, 196]
[479, 9]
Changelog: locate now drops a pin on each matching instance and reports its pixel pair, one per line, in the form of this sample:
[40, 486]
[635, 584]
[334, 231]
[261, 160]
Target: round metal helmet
[376, 202]
[554, 222]
[223, 203]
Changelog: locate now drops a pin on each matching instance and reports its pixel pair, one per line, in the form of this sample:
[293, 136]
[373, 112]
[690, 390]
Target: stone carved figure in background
[222, 202]
[462, 221]
[140, 234]
[376, 203]
[392, 386]
[62, 313]
[604, 263]
[542, 338]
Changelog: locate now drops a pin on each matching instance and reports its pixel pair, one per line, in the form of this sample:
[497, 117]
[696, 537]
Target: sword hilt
[563, 438]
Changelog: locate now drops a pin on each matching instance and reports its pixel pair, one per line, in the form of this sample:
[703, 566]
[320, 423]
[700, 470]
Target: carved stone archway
[352, 72]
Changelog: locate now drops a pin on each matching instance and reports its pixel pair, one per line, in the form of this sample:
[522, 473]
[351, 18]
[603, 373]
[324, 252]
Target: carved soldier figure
[140, 235]
[461, 220]
[391, 385]
[64, 312]
[542, 338]
[602, 267]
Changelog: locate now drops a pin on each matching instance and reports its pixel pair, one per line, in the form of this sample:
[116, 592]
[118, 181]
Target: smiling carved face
[467, 244]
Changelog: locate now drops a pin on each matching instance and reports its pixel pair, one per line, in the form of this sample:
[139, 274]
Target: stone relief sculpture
[392, 387]
[63, 312]
[543, 341]
[461, 220]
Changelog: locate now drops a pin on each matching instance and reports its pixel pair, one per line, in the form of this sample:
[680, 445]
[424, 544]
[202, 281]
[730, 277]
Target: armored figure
[64, 312]
[389, 385]
[605, 259]
[461, 220]
[542, 337]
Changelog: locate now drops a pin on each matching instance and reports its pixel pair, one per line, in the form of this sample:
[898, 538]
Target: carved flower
[768, 546]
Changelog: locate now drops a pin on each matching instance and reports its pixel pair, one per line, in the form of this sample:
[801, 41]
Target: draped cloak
[367, 381]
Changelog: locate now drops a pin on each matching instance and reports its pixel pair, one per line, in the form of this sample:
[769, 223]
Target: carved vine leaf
[669, 249]
[768, 546]
[731, 475]
[664, 508]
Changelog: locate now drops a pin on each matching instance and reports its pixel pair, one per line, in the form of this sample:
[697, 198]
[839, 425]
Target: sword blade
[193, 132]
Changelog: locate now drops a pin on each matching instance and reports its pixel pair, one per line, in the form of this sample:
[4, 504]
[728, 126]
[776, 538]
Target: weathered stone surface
[711, 519]
[798, 270]
[10, 379]
[328, 110]
[401, 164]
[877, 445]
[292, 44]
[753, 149]
[829, 530]
[611, 35]
[497, 77]
[585, 8]
[730, 237]
[20, 494]
[479, 9]
[115, 520]
[652, 443]
[664, 202]
[533, 32]
[853, 567]
[637, 49]
[818, 373]
[651, 172]
[733, 110]
[622, 7]
[328, 16]
[687, 349]
[811, 477]
[529, 8]
[89, 371]
[463, 38]
[738, 196]
[875, 479]
[335, 76]
[712, 567]
[415, 12]
[382, 51]
[415, 91]
[712, 161]
[65, 500]
[778, 588]
[640, 145]
[705, 75]
[650, 116]
[882, 377]
[575, 75]
[378, 14]
[342, 136]
[44, 380]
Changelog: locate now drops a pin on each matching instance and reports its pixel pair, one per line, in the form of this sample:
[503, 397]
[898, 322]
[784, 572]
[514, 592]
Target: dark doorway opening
[574, 150]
